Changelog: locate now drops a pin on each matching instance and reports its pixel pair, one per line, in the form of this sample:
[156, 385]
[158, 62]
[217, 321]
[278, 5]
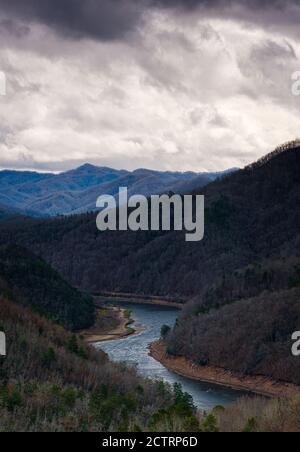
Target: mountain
[76, 191]
[7, 212]
[32, 282]
[50, 194]
[250, 245]
[250, 337]
[241, 285]
[245, 272]
[11, 185]
[11, 212]
[197, 182]
[50, 381]
[17, 178]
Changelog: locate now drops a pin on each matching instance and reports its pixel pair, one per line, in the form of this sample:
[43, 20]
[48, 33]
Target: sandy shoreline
[135, 299]
[258, 385]
[123, 330]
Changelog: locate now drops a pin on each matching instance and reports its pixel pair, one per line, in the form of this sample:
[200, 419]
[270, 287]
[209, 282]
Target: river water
[134, 351]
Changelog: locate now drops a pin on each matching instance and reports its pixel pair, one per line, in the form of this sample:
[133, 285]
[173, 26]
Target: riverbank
[121, 330]
[136, 299]
[217, 376]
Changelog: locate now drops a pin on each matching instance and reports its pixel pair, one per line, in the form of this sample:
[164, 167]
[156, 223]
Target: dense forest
[241, 276]
[251, 243]
[251, 337]
[51, 381]
[245, 319]
[32, 282]
[242, 284]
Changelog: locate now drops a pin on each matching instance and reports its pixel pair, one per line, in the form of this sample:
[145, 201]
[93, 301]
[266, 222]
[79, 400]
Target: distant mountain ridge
[76, 191]
[250, 244]
[241, 283]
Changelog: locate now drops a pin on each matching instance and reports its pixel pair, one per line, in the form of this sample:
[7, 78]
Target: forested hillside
[238, 277]
[250, 337]
[251, 243]
[32, 282]
[50, 381]
[241, 282]
[9, 212]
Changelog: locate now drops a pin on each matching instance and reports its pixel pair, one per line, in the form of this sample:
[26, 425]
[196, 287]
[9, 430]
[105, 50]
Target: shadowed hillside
[251, 337]
[242, 283]
[7, 212]
[32, 282]
[251, 250]
[51, 381]
[251, 243]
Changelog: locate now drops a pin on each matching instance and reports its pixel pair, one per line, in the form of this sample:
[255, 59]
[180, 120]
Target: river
[134, 351]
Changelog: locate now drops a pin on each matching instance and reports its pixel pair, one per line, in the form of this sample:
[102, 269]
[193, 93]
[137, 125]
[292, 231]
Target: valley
[134, 351]
[228, 307]
[149, 219]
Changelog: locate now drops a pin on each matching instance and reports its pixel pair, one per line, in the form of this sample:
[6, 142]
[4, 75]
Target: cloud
[104, 19]
[187, 90]
[114, 19]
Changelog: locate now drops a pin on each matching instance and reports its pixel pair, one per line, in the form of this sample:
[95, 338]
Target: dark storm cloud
[101, 19]
[281, 14]
[250, 4]
[112, 19]
[163, 84]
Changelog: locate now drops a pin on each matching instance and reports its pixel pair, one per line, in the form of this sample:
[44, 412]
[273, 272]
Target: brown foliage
[250, 336]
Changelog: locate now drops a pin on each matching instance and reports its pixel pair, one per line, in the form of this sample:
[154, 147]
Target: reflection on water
[134, 350]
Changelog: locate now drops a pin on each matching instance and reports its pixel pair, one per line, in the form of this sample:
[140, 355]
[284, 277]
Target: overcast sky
[164, 84]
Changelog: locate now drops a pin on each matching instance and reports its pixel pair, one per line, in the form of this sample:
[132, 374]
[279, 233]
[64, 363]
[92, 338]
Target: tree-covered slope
[250, 337]
[251, 243]
[50, 381]
[32, 282]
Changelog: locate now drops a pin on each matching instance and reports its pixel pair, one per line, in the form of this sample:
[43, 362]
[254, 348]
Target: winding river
[134, 351]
